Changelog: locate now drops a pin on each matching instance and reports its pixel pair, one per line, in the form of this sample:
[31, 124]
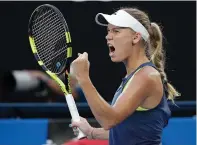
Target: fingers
[76, 131]
[77, 123]
[74, 128]
[74, 123]
[80, 125]
[84, 55]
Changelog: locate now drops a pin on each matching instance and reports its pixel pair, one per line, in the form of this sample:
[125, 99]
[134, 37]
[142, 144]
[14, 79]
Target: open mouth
[111, 49]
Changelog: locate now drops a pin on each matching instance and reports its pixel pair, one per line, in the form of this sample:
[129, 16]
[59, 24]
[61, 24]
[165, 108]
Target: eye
[116, 31]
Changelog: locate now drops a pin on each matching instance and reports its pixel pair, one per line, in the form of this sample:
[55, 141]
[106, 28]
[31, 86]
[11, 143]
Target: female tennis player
[139, 109]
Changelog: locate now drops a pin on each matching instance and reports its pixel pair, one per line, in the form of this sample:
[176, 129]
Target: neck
[134, 61]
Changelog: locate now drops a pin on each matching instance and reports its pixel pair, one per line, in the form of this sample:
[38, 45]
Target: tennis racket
[50, 42]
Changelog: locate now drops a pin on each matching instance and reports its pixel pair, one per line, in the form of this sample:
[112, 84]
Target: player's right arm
[100, 133]
[91, 132]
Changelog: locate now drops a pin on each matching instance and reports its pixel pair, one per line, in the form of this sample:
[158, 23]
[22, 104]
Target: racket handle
[74, 113]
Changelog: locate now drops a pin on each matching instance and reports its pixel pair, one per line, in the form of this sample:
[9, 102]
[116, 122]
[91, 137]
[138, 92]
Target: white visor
[122, 19]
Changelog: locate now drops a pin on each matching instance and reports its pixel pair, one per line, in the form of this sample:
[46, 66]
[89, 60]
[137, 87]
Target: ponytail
[157, 57]
[154, 48]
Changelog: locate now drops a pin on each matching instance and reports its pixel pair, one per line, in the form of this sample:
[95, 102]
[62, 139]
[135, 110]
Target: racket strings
[52, 33]
[49, 47]
[42, 30]
[47, 62]
[49, 44]
[61, 58]
[49, 36]
[52, 54]
[42, 13]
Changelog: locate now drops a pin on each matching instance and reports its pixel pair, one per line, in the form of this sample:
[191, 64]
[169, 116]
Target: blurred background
[32, 109]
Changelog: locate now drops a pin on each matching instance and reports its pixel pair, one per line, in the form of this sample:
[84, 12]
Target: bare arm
[130, 99]
[133, 96]
[99, 133]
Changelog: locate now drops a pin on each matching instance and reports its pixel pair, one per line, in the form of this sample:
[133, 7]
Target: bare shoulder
[149, 74]
[153, 86]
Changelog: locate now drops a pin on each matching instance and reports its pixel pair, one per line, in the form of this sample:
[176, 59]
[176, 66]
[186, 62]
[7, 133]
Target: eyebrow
[117, 28]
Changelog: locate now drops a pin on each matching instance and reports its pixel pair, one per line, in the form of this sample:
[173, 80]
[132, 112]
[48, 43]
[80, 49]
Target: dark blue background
[177, 18]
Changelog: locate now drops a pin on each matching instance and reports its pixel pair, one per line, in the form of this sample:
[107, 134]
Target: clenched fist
[80, 67]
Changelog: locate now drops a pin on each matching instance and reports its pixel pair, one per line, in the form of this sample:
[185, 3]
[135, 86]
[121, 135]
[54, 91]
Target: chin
[115, 60]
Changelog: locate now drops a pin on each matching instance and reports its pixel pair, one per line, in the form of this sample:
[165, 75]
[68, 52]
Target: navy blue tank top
[144, 126]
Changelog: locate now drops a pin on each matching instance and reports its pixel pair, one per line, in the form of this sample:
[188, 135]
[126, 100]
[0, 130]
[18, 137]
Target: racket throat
[67, 82]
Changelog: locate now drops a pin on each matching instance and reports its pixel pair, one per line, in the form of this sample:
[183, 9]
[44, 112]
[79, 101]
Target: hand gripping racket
[50, 42]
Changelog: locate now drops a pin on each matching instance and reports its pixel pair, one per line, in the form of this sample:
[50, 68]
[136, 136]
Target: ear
[137, 37]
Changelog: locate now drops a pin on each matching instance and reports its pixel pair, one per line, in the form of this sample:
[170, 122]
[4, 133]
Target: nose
[109, 36]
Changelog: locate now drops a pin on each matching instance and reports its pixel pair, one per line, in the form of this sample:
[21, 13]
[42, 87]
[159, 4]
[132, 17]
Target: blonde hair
[154, 47]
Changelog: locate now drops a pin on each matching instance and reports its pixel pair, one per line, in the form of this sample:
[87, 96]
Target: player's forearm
[99, 133]
[102, 111]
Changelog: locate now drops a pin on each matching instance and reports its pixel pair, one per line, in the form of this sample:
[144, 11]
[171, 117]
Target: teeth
[110, 45]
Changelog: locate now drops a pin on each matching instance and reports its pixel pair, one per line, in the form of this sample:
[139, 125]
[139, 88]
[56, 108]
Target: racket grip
[74, 113]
